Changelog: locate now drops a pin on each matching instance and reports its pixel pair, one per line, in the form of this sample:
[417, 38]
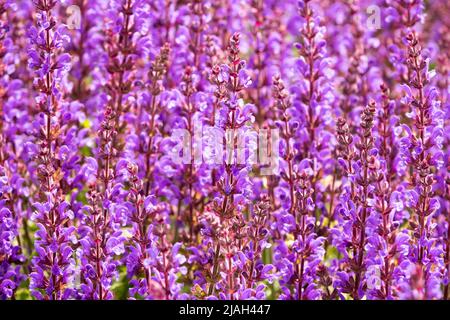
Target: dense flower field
[224, 149]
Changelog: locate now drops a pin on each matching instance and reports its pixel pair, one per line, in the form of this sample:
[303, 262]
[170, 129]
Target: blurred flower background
[94, 205]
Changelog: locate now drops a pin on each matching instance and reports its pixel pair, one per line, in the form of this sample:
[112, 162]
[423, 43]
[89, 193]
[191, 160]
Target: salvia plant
[251, 149]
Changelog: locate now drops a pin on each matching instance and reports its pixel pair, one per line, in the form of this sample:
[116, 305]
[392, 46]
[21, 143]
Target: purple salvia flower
[99, 227]
[11, 256]
[421, 148]
[261, 60]
[53, 264]
[298, 265]
[443, 177]
[151, 251]
[233, 183]
[386, 244]
[85, 37]
[359, 163]
[255, 269]
[148, 144]
[313, 100]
